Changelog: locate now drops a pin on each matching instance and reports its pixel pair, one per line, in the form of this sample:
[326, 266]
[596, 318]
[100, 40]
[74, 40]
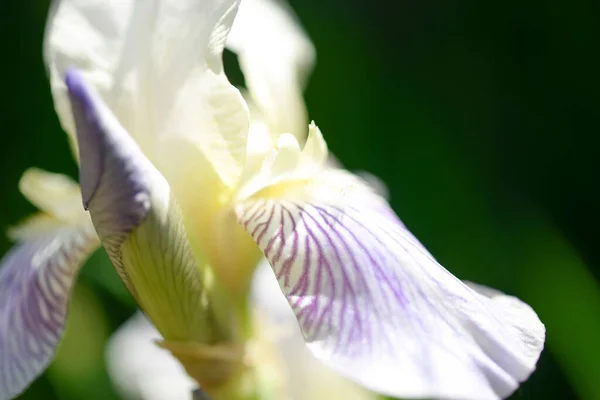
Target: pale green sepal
[169, 284]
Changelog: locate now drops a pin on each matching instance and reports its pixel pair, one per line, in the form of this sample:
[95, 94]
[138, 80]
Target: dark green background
[481, 117]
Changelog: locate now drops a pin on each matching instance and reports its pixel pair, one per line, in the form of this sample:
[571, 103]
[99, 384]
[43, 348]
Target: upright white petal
[157, 65]
[276, 57]
[374, 305]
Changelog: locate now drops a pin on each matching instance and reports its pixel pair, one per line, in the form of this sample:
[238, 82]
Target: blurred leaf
[78, 370]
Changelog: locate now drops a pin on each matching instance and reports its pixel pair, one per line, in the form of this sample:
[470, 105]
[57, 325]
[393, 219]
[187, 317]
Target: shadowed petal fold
[374, 305]
[36, 278]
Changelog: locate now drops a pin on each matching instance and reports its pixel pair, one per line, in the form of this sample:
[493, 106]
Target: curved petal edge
[374, 304]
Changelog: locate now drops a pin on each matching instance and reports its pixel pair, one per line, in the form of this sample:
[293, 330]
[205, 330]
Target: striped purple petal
[374, 305]
[36, 278]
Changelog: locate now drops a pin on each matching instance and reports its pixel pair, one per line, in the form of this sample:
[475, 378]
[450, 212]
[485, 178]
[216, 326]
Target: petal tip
[76, 86]
[72, 78]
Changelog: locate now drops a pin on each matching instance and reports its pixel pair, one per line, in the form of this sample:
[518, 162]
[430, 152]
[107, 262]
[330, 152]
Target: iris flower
[141, 370]
[186, 184]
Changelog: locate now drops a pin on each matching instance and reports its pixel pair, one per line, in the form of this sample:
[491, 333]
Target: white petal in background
[276, 57]
[140, 369]
[36, 278]
[55, 194]
[375, 306]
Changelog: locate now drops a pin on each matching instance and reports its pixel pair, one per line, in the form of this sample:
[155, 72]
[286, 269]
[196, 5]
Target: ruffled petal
[138, 221]
[276, 57]
[374, 305]
[36, 278]
[140, 369]
[157, 65]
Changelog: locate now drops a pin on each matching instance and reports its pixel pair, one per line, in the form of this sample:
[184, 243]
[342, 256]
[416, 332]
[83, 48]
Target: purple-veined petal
[374, 305]
[276, 57]
[140, 369]
[305, 377]
[139, 224]
[36, 278]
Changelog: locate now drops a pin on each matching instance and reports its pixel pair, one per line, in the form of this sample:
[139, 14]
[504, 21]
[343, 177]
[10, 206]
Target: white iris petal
[374, 305]
[371, 301]
[276, 57]
[140, 369]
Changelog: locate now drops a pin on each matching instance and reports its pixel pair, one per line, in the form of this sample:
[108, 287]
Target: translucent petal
[157, 65]
[260, 139]
[374, 305]
[287, 162]
[305, 376]
[140, 369]
[276, 57]
[36, 278]
[138, 221]
[55, 194]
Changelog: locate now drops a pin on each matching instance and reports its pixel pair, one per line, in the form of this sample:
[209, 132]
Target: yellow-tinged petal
[157, 65]
[286, 162]
[55, 194]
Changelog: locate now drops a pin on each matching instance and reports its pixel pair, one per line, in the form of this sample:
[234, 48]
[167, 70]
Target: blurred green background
[481, 117]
